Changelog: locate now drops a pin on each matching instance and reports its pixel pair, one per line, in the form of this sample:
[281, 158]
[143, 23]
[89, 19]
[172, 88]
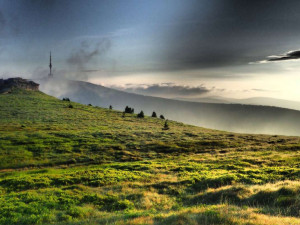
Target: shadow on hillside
[284, 201]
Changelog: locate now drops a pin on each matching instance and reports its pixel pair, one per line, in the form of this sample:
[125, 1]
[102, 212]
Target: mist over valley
[230, 117]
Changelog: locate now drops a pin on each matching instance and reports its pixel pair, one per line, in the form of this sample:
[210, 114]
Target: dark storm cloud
[156, 36]
[87, 51]
[229, 33]
[9, 25]
[166, 90]
[291, 55]
[2, 23]
[14, 23]
[196, 60]
[2, 26]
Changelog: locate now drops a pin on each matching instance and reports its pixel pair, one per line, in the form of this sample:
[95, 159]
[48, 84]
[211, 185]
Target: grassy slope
[89, 165]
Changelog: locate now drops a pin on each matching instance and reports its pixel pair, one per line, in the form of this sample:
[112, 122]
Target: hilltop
[19, 83]
[69, 163]
[229, 117]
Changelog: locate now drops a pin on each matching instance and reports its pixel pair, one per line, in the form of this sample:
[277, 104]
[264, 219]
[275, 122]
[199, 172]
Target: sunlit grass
[89, 165]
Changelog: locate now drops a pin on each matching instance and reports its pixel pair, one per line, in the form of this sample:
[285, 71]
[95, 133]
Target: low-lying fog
[229, 117]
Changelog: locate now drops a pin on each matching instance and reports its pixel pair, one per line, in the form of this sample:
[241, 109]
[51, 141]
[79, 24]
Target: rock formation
[11, 83]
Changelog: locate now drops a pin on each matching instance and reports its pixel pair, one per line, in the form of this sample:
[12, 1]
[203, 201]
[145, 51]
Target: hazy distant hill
[272, 102]
[249, 101]
[231, 117]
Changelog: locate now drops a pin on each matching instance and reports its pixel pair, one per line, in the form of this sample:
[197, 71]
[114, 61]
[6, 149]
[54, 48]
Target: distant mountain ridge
[249, 101]
[230, 117]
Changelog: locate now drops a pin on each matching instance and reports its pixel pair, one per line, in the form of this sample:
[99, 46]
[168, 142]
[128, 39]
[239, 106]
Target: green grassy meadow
[90, 165]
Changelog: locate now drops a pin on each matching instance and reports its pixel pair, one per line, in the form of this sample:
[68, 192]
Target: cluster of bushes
[139, 115]
[66, 99]
[155, 115]
[142, 115]
[129, 110]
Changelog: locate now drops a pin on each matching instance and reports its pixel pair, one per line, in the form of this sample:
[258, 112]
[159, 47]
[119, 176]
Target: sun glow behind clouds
[190, 43]
[232, 83]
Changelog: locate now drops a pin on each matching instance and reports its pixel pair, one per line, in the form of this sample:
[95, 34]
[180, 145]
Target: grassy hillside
[89, 165]
[230, 117]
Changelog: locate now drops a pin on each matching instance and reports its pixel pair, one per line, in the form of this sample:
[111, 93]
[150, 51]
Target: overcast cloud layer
[156, 35]
[154, 41]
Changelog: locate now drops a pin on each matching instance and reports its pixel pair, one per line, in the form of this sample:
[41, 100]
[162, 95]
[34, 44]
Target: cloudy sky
[193, 48]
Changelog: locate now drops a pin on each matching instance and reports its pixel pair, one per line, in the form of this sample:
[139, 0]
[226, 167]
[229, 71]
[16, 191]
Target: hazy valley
[230, 117]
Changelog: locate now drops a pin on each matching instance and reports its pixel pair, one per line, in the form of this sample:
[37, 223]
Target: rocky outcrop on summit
[11, 83]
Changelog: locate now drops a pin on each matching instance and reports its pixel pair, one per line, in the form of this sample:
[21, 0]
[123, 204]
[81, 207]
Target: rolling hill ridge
[281, 103]
[230, 117]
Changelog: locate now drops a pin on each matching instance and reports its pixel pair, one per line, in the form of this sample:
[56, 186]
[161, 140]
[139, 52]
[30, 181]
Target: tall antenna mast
[50, 66]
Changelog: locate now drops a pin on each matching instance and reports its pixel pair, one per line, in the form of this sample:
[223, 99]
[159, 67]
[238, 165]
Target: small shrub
[66, 99]
[162, 117]
[166, 125]
[141, 115]
[71, 106]
[154, 114]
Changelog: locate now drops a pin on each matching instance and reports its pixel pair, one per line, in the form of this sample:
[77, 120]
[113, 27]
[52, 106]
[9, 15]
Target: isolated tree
[166, 125]
[126, 109]
[154, 114]
[110, 107]
[141, 115]
[90, 105]
[162, 117]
